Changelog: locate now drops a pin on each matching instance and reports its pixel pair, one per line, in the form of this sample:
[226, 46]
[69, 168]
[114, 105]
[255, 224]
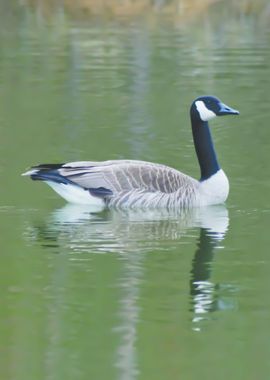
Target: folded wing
[121, 181]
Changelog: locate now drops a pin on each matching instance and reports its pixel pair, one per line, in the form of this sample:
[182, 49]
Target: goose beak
[225, 110]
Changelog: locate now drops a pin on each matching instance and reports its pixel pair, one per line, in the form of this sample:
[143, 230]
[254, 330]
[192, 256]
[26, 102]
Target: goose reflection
[204, 293]
[131, 235]
[79, 228]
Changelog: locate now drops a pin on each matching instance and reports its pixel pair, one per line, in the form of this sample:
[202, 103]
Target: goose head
[206, 108]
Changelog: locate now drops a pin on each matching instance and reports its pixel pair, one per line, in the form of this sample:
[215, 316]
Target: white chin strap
[205, 113]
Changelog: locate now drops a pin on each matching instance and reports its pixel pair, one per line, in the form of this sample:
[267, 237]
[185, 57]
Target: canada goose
[136, 184]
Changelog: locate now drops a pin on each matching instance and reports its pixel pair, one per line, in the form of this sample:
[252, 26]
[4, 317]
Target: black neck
[204, 148]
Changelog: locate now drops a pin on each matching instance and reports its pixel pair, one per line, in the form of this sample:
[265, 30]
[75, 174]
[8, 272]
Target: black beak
[225, 110]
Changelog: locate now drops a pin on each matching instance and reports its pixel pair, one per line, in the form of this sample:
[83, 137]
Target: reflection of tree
[139, 116]
[180, 8]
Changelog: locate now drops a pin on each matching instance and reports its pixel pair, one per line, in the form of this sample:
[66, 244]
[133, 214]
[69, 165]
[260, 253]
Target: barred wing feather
[133, 182]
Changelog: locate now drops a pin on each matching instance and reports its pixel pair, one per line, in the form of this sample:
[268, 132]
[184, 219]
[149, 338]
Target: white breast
[214, 190]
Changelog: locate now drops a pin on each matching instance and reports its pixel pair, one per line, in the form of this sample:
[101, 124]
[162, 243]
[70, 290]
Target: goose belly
[212, 191]
[186, 198]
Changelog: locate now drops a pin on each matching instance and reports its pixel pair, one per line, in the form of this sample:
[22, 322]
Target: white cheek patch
[205, 113]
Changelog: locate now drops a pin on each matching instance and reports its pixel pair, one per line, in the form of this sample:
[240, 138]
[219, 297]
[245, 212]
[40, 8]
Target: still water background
[133, 296]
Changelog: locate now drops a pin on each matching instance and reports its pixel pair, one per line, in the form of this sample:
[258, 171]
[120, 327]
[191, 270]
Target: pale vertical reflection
[139, 116]
[129, 312]
[73, 109]
[54, 354]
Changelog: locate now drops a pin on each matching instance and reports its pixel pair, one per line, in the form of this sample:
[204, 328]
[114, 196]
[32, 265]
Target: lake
[133, 295]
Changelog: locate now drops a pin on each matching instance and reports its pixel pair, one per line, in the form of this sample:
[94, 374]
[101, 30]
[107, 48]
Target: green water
[135, 295]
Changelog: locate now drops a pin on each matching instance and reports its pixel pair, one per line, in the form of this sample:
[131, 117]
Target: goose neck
[204, 148]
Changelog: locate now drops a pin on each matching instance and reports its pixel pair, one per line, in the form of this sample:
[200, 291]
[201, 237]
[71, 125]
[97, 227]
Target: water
[133, 295]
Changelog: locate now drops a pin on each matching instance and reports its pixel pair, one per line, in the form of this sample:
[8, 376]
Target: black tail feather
[50, 176]
[48, 166]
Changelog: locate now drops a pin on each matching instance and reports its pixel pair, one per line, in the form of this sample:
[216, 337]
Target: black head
[206, 108]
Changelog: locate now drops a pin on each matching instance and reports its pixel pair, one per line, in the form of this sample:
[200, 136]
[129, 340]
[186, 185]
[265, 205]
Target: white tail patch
[76, 194]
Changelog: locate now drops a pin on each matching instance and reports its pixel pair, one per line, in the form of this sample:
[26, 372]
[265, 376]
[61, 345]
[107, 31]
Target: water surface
[133, 295]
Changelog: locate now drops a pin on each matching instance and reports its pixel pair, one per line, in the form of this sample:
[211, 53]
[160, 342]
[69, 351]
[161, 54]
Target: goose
[140, 184]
